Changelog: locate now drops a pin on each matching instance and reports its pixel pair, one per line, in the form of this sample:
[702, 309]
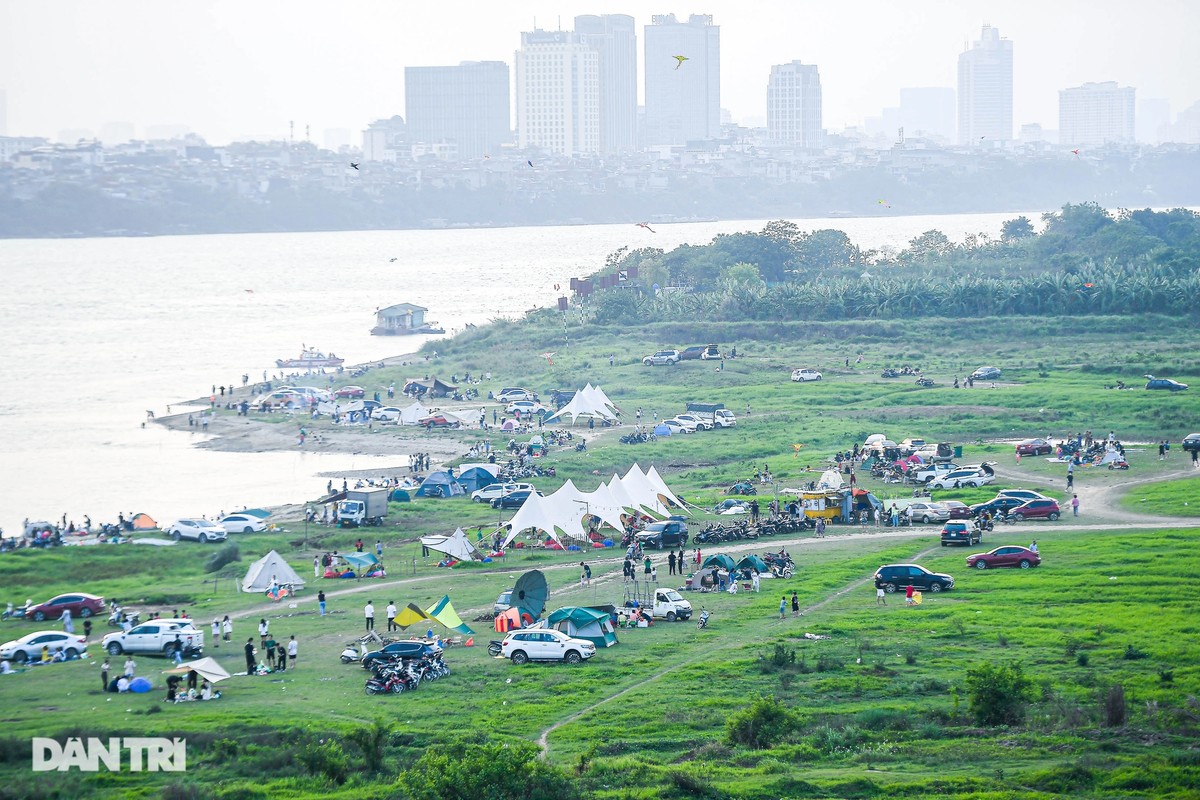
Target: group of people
[275, 654]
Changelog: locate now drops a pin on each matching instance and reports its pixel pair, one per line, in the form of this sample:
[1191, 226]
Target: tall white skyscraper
[985, 89]
[558, 93]
[614, 37]
[683, 80]
[794, 105]
[1096, 113]
[466, 105]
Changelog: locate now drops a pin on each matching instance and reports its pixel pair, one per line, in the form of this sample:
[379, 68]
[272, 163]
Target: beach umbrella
[530, 593]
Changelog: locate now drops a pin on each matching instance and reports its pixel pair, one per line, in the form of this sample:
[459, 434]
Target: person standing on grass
[646, 567]
[130, 667]
[104, 674]
[320, 602]
[250, 665]
[292, 650]
[226, 628]
[908, 595]
[671, 562]
[270, 648]
[795, 604]
[1075, 504]
[281, 654]
[216, 632]
[754, 581]
[782, 606]
[369, 615]
[1196, 458]
[880, 596]
[391, 616]
[263, 630]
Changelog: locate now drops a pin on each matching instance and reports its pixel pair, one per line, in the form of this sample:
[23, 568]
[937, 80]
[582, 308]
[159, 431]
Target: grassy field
[880, 708]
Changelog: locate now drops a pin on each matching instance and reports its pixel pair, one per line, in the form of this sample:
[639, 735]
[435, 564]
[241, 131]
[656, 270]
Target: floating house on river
[403, 319]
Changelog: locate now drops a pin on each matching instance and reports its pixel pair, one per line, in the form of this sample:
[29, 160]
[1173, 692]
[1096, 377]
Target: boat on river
[310, 358]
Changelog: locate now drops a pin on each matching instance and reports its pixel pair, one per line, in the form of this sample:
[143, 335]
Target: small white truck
[367, 506]
[157, 636]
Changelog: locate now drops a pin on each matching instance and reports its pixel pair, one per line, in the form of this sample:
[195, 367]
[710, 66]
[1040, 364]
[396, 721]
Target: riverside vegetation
[1072, 679]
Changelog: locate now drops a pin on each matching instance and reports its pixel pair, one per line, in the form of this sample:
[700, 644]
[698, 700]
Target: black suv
[960, 533]
[1000, 504]
[1191, 442]
[664, 534]
[899, 576]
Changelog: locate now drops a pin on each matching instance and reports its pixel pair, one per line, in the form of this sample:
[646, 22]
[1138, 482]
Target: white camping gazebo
[270, 567]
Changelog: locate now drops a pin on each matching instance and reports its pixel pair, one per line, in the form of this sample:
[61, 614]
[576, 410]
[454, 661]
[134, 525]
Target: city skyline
[243, 70]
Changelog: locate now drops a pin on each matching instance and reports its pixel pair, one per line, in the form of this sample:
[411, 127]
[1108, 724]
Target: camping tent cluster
[562, 513]
[589, 402]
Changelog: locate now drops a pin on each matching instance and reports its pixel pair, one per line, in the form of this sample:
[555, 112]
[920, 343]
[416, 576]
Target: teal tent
[261, 513]
[440, 484]
[584, 623]
[721, 560]
[752, 563]
[476, 478]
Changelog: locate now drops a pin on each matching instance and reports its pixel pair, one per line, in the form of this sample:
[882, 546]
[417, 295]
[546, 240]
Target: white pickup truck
[669, 605]
[157, 636]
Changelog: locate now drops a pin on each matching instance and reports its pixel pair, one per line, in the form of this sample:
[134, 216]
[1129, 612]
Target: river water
[98, 331]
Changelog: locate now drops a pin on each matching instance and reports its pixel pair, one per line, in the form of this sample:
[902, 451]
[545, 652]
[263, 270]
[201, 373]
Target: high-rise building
[614, 38]
[794, 105]
[985, 89]
[683, 80]
[928, 111]
[1096, 113]
[466, 105]
[558, 93]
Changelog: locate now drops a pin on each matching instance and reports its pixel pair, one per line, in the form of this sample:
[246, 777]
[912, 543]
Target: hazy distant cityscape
[559, 137]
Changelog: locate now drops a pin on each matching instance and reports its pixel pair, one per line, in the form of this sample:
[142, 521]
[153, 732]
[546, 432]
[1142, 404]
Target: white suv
[805, 374]
[512, 394]
[495, 491]
[695, 422]
[200, 530]
[545, 644]
[662, 358]
[969, 476]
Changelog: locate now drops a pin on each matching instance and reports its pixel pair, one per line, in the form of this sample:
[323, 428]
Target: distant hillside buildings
[466, 106]
[1096, 114]
[985, 89]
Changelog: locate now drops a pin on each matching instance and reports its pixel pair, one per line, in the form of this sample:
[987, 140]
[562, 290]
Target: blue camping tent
[476, 478]
[440, 484]
[662, 430]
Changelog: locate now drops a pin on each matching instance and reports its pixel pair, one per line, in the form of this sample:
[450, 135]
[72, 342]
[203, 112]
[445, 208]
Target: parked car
[494, 491]
[687, 421]
[805, 374]
[1034, 447]
[700, 422]
[710, 352]
[1007, 556]
[513, 393]
[398, 651]
[1164, 383]
[675, 426]
[724, 418]
[731, 506]
[928, 512]
[350, 392]
[243, 523]
[957, 508]
[1025, 494]
[936, 453]
[80, 604]
[966, 476]
[513, 499]
[503, 602]
[1001, 504]
[662, 358]
[1037, 509]
[912, 445]
[692, 353]
[200, 530]
[29, 647]
[1191, 442]
[525, 407]
[899, 576]
[545, 644]
[386, 414]
[986, 374]
[439, 421]
[658, 535]
[960, 533]
[924, 473]
[156, 636]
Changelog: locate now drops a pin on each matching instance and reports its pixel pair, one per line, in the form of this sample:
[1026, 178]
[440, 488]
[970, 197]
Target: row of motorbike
[404, 675]
[739, 531]
[638, 438]
[512, 472]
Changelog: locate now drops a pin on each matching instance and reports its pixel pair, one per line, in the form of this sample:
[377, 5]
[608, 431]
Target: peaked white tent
[270, 567]
[602, 504]
[661, 487]
[619, 493]
[410, 415]
[561, 511]
[830, 479]
[456, 545]
[591, 402]
[643, 493]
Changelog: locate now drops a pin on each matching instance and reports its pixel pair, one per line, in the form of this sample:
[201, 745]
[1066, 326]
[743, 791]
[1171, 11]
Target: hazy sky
[229, 68]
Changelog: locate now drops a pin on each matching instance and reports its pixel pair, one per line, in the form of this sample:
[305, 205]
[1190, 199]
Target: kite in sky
[680, 60]
[1076, 152]
[248, 291]
[392, 260]
[885, 204]
[354, 164]
[530, 163]
[549, 357]
[646, 225]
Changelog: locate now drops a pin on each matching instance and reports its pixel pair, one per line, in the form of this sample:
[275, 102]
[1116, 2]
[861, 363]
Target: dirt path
[732, 643]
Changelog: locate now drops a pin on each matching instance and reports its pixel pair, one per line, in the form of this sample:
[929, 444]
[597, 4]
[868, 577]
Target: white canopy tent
[663, 490]
[551, 514]
[456, 545]
[410, 415]
[590, 402]
[206, 668]
[830, 479]
[270, 567]
[602, 504]
[643, 493]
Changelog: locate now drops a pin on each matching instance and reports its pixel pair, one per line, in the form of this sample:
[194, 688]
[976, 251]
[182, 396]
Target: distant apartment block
[558, 93]
[985, 89]
[683, 97]
[794, 105]
[614, 37]
[385, 140]
[465, 105]
[1096, 113]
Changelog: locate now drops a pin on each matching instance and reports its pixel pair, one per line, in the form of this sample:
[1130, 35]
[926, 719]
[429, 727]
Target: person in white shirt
[391, 616]
[292, 650]
[130, 667]
[369, 614]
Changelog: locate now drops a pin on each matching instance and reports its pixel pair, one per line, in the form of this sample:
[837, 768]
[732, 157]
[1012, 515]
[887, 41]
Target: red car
[1037, 509]
[1007, 556]
[80, 605]
[1034, 447]
[958, 509]
[437, 421]
[350, 391]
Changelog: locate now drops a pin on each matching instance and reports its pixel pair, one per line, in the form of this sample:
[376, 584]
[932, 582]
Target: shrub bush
[226, 555]
[764, 723]
[998, 694]
[1112, 706]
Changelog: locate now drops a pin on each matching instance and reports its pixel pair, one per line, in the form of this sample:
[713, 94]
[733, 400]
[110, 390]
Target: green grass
[880, 705]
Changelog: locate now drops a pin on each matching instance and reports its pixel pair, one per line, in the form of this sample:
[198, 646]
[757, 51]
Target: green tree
[763, 723]
[1015, 229]
[998, 693]
[510, 771]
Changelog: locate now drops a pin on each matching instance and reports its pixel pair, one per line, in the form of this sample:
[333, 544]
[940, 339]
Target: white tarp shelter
[410, 415]
[561, 511]
[602, 504]
[643, 493]
[206, 668]
[270, 567]
[590, 402]
[830, 479]
[456, 545]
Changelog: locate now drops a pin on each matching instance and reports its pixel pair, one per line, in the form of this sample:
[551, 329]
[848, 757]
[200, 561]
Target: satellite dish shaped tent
[271, 566]
[530, 592]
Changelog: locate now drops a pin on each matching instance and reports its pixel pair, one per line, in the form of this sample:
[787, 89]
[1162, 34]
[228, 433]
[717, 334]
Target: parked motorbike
[925, 382]
[351, 653]
[14, 613]
[495, 647]
[702, 620]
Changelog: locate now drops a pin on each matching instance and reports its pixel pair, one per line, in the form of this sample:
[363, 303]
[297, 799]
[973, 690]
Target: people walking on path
[1075, 504]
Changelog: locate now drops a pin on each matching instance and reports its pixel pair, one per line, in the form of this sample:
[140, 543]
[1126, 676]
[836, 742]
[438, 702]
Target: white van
[724, 418]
